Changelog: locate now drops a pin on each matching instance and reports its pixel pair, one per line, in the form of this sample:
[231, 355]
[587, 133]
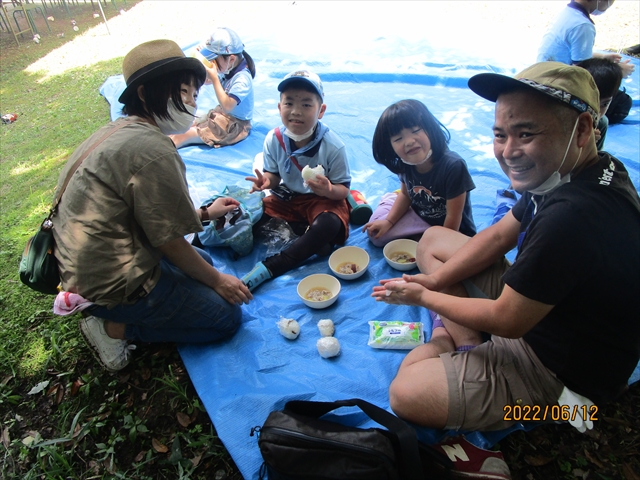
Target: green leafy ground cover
[62, 416]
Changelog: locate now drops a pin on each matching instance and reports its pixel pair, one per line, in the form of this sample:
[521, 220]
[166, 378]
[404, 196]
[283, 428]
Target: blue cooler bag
[235, 228]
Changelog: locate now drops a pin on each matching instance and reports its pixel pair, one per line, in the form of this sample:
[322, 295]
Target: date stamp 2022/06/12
[545, 413]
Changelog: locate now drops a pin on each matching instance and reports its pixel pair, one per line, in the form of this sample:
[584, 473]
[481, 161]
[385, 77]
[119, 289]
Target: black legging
[320, 235]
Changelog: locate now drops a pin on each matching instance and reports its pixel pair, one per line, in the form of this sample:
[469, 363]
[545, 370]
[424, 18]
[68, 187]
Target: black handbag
[295, 445]
[38, 265]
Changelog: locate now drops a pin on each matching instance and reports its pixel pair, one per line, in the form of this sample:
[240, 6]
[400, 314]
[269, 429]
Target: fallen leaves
[537, 460]
[183, 419]
[159, 446]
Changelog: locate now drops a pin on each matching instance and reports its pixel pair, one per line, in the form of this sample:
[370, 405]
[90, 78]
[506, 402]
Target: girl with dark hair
[231, 71]
[434, 181]
[120, 226]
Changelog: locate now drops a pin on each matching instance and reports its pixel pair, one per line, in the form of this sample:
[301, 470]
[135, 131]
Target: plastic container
[360, 210]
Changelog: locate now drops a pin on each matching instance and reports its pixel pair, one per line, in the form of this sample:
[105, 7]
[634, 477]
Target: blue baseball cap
[223, 41]
[304, 76]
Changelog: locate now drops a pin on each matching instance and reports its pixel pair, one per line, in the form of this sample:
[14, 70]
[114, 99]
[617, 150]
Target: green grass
[55, 115]
[85, 423]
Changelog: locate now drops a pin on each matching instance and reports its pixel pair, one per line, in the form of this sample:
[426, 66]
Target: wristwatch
[204, 216]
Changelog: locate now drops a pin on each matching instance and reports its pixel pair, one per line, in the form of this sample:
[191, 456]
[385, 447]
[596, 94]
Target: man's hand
[232, 289]
[260, 182]
[399, 292]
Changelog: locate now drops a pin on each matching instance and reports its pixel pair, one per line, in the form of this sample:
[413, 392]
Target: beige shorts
[487, 382]
[219, 129]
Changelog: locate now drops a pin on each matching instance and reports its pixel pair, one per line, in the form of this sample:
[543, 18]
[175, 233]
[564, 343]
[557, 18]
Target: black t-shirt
[581, 253]
[448, 178]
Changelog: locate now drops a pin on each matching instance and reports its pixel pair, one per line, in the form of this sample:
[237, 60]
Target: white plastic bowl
[355, 255]
[400, 245]
[321, 280]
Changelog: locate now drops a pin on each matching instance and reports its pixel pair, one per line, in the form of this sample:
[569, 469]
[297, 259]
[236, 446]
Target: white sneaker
[112, 353]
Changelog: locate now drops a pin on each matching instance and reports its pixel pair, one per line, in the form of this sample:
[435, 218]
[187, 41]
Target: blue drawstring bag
[235, 229]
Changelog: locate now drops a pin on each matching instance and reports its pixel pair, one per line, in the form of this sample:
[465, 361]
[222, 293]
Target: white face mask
[554, 181]
[429, 153]
[597, 12]
[179, 122]
[299, 138]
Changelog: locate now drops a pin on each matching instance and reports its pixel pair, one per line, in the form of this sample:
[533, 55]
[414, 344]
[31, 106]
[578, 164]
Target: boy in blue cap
[318, 202]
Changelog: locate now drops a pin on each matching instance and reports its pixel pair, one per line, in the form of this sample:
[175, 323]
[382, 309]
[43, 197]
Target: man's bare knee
[419, 394]
[437, 245]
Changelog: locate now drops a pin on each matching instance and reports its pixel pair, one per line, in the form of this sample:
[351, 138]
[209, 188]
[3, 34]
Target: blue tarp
[240, 381]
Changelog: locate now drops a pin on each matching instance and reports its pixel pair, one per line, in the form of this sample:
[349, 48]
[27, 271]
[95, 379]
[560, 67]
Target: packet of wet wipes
[395, 334]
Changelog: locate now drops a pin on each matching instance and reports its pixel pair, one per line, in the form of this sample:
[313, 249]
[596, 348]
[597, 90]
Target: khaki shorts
[487, 382]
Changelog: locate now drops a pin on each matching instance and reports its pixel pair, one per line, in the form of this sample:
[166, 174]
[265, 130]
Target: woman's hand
[232, 289]
[377, 228]
[221, 206]
[260, 182]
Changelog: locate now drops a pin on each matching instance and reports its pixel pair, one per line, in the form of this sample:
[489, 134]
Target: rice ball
[326, 327]
[289, 328]
[328, 347]
[311, 173]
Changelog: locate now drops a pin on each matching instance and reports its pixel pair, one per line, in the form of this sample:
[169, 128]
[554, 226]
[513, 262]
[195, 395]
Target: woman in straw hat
[121, 223]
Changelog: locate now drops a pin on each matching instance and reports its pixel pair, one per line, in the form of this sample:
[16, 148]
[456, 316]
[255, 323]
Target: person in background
[121, 224]
[434, 181]
[608, 77]
[231, 71]
[572, 35]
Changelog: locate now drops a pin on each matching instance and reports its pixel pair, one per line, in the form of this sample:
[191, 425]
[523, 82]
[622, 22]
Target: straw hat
[152, 59]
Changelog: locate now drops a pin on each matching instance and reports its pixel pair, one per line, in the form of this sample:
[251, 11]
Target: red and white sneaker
[471, 462]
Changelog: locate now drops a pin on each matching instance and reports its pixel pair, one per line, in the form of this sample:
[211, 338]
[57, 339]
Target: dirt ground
[187, 21]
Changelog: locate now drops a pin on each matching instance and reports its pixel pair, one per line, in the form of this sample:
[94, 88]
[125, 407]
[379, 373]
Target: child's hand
[260, 182]
[212, 72]
[221, 206]
[377, 228]
[320, 185]
[627, 68]
[597, 134]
